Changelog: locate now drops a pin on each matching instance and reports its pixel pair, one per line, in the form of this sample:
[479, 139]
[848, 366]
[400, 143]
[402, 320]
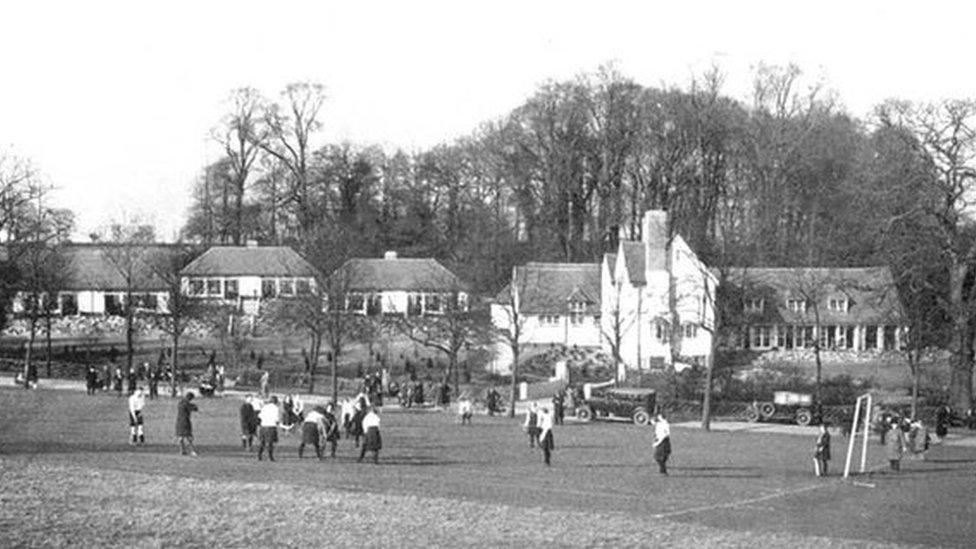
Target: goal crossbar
[867, 400]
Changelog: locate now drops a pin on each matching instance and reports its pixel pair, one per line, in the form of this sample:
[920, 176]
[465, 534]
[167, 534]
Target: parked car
[630, 403]
[786, 406]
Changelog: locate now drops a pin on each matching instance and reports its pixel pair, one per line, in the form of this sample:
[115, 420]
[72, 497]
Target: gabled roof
[548, 288]
[400, 274]
[871, 292]
[250, 261]
[634, 260]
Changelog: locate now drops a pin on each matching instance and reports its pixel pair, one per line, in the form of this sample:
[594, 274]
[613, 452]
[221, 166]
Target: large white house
[654, 302]
[246, 275]
[396, 285]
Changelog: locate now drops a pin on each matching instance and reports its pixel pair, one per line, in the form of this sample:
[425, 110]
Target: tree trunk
[47, 321]
[315, 348]
[28, 352]
[129, 332]
[706, 422]
[515, 367]
[961, 376]
[453, 365]
[174, 362]
[335, 377]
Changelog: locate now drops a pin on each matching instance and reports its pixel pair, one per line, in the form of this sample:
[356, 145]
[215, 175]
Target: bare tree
[510, 327]
[242, 134]
[181, 309]
[290, 127]
[127, 253]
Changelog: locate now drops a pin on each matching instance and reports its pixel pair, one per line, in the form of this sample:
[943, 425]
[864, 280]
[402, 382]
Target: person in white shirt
[313, 432]
[546, 420]
[662, 442]
[372, 441]
[465, 409]
[270, 417]
[137, 401]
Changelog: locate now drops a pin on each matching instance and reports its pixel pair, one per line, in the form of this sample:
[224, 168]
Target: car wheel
[803, 417]
[583, 413]
[752, 414]
[641, 417]
[766, 410]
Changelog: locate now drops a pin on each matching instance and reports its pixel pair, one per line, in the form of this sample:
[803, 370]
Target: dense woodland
[784, 177]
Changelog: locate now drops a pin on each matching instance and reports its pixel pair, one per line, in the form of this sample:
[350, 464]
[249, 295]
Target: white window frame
[838, 305]
[797, 305]
[577, 313]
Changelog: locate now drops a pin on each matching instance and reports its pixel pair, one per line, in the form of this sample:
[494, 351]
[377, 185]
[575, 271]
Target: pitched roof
[400, 274]
[634, 260]
[100, 267]
[249, 261]
[872, 294]
[548, 288]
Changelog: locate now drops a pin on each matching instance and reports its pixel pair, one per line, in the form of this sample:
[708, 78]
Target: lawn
[69, 477]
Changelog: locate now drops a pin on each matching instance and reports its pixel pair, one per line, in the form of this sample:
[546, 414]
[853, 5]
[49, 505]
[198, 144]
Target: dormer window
[838, 305]
[753, 305]
[576, 311]
[797, 305]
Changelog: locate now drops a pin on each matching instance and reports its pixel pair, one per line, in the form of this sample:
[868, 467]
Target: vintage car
[786, 406]
[630, 403]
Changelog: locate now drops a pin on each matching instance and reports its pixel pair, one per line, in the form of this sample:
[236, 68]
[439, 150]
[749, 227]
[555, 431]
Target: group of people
[262, 418]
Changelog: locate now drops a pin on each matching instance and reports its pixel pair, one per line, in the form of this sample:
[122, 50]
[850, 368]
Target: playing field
[69, 477]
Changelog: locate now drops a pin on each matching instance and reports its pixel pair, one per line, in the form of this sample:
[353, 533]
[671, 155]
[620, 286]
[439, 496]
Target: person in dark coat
[531, 424]
[942, 421]
[372, 441]
[557, 407]
[131, 379]
[893, 445]
[356, 430]
[249, 421]
[331, 428]
[821, 454]
[118, 381]
[184, 425]
[91, 379]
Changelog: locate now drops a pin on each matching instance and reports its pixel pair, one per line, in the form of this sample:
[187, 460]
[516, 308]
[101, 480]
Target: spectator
[893, 445]
[821, 454]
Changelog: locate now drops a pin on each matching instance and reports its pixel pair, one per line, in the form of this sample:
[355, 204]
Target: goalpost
[866, 399]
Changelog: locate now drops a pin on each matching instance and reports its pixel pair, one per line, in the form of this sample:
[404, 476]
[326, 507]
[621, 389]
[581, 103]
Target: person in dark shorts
[331, 428]
[137, 402]
[372, 442]
[313, 432]
[249, 420]
[270, 416]
[546, 443]
[821, 453]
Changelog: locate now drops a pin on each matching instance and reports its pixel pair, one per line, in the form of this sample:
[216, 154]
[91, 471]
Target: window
[838, 305]
[113, 305]
[462, 302]
[662, 332]
[753, 305]
[414, 307]
[303, 286]
[213, 287]
[689, 331]
[286, 286]
[796, 305]
[69, 304]
[145, 301]
[374, 304]
[269, 288]
[355, 302]
[197, 286]
[549, 320]
[760, 337]
[432, 303]
[577, 312]
[230, 288]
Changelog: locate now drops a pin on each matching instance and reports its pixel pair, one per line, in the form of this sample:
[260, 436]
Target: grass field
[68, 477]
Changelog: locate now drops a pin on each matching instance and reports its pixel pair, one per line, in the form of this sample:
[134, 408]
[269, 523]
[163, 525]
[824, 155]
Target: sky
[114, 102]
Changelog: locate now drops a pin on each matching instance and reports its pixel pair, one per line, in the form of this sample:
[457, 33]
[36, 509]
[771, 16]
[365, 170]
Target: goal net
[862, 417]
